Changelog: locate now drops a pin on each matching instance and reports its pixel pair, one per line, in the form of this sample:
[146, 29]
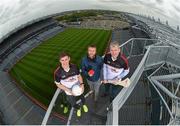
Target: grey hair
[114, 44]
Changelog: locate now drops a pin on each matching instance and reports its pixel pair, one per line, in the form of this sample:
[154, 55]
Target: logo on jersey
[63, 76]
[114, 70]
[71, 79]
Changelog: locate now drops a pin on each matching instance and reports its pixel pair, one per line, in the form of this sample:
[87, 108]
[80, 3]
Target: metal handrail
[130, 40]
[50, 107]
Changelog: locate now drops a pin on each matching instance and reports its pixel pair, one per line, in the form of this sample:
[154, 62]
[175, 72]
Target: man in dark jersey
[115, 68]
[66, 76]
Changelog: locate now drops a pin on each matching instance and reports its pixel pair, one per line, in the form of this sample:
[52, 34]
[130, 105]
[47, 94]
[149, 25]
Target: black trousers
[73, 99]
[112, 90]
[64, 99]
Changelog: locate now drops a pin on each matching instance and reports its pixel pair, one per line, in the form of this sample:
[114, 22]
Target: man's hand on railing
[124, 83]
[104, 81]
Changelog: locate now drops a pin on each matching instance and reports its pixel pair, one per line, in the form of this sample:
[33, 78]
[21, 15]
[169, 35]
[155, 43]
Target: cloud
[14, 13]
[163, 9]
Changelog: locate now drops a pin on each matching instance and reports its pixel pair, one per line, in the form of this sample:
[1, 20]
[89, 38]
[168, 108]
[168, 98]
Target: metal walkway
[96, 115]
[137, 101]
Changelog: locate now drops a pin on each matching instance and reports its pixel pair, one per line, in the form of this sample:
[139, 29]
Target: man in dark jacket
[91, 66]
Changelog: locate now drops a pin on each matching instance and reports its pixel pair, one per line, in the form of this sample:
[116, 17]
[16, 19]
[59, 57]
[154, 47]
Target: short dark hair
[63, 54]
[92, 46]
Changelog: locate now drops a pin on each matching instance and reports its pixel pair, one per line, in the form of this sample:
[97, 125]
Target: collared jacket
[95, 64]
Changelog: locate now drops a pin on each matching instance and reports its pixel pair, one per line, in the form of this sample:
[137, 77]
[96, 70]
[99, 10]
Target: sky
[14, 13]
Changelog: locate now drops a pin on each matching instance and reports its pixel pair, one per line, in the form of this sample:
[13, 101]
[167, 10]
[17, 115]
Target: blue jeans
[94, 86]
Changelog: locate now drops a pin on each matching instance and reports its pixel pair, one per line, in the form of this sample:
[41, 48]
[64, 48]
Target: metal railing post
[48, 112]
[132, 44]
[152, 82]
[144, 46]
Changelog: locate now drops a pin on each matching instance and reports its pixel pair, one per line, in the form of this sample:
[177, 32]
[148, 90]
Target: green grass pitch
[34, 72]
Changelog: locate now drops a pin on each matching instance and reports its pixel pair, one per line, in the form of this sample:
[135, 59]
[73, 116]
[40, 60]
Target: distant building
[167, 23]
[74, 23]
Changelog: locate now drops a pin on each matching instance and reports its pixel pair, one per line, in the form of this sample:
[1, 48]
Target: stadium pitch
[34, 72]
